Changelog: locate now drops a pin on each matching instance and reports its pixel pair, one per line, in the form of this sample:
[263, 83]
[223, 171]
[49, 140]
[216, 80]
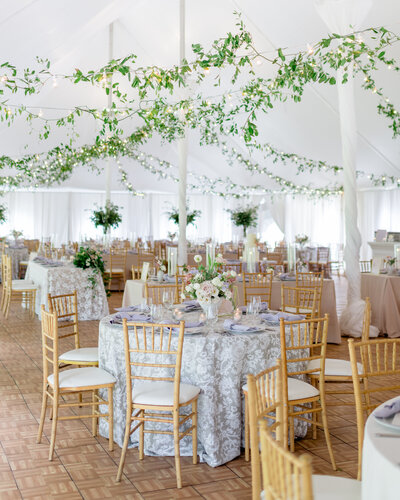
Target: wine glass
[156, 312]
[168, 299]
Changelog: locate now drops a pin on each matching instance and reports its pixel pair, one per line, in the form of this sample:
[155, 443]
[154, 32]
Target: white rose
[216, 281]
[228, 294]
[196, 286]
[233, 273]
[189, 288]
[219, 255]
[198, 258]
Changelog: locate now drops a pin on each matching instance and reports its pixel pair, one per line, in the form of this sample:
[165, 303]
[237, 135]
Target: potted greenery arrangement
[107, 217]
[244, 216]
[191, 216]
[88, 258]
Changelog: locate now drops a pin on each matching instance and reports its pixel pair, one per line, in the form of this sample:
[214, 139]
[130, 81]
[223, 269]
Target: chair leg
[141, 436]
[314, 420]
[42, 414]
[194, 431]
[53, 426]
[124, 445]
[326, 431]
[177, 449]
[110, 419]
[246, 428]
[291, 434]
[95, 420]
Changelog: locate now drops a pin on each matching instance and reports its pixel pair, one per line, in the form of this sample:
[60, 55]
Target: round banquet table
[218, 363]
[17, 255]
[380, 462]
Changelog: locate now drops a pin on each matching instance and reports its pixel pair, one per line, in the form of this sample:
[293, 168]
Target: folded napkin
[388, 410]
[190, 305]
[129, 308]
[139, 318]
[194, 324]
[237, 327]
[274, 318]
[287, 277]
[169, 279]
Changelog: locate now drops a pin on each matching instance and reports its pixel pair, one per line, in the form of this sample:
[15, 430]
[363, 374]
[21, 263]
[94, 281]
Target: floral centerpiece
[3, 210]
[244, 216]
[16, 234]
[301, 239]
[89, 258]
[191, 216]
[209, 285]
[107, 217]
[390, 264]
[162, 265]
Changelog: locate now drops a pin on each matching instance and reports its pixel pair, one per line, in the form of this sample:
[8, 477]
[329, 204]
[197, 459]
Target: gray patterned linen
[218, 364]
[92, 304]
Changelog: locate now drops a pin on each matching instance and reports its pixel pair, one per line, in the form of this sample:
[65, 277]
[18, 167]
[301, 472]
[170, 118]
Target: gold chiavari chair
[116, 266]
[302, 342]
[153, 385]
[258, 284]
[299, 300]
[58, 384]
[142, 258]
[155, 292]
[380, 362]
[289, 477]
[365, 266]
[233, 266]
[338, 371]
[263, 398]
[275, 257]
[18, 290]
[66, 308]
[312, 280]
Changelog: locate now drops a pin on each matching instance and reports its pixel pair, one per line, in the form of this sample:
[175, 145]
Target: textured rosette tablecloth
[218, 364]
[17, 255]
[92, 303]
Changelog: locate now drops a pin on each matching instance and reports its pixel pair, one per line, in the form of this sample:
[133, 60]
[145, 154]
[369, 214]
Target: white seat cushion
[162, 393]
[82, 377]
[115, 270]
[335, 367]
[298, 311]
[83, 354]
[334, 487]
[23, 262]
[23, 285]
[297, 389]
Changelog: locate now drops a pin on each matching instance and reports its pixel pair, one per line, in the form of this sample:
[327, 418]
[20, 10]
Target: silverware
[381, 435]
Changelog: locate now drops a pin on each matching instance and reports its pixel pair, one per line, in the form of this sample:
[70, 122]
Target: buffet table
[92, 303]
[134, 292]
[218, 364]
[384, 293]
[380, 462]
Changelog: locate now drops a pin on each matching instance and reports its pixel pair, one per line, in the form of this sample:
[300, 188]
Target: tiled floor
[84, 468]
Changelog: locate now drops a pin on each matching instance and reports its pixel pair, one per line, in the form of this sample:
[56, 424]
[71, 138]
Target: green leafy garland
[244, 216]
[209, 115]
[3, 211]
[107, 217]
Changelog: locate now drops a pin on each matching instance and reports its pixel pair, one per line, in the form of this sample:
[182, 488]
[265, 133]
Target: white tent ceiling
[74, 34]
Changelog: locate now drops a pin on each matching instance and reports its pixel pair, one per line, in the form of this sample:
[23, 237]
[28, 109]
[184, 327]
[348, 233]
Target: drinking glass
[168, 299]
[156, 312]
[256, 304]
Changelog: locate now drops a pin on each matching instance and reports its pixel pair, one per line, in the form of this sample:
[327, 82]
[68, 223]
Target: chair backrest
[117, 260]
[150, 356]
[275, 257]
[50, 346]
[155, 292]
[237, 267]
[380, 373]
[285, 475]
[258, 284]
[323, 254]
[7, 272]
[312, 280]
[299, 300]
[366, 320]
[301, 342]
[265, 402]
[66, 308]
[365, 266]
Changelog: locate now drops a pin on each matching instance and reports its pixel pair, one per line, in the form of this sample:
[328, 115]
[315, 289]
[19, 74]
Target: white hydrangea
[198, 258]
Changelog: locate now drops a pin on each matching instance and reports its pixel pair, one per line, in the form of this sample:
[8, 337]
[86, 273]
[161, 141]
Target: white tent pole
[182, 147]
[109, 104]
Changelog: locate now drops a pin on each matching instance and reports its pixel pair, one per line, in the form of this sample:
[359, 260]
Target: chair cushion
[335, 367]
[23, 285]
[334, 487]
[297, 389]
[82, 377]
[115, 270]
[83, 354]
[23, 262]
[162, 393]
[300, 310]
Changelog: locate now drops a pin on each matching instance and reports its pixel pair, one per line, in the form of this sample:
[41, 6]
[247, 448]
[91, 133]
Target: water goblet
[168, 299]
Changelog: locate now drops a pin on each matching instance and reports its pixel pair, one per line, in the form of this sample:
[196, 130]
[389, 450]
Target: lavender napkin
[287, 277]
[230, 325]
[388, 410]
[274, 318]
[129, 308]
[190, 305]
[140, 318]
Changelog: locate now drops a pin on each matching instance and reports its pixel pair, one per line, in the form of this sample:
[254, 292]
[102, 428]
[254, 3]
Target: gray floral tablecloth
[218, 363]
[17, 255]
[92, 303]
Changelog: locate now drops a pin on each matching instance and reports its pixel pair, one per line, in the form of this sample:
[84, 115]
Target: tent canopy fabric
[76, 35]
